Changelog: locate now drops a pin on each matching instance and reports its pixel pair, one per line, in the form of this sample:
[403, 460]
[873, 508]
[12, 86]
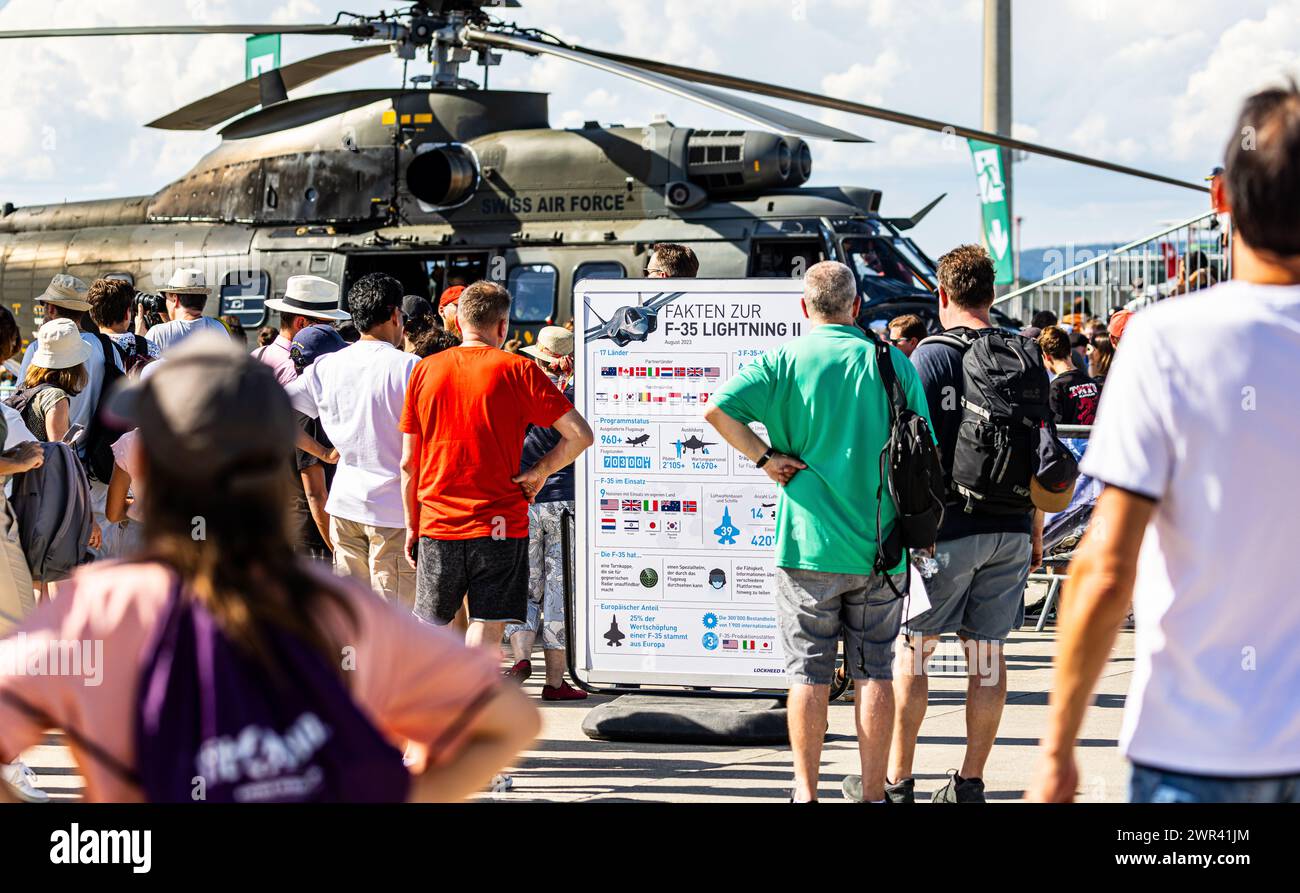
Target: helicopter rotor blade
[212, 110]
[758, 113]
[361, 30]
[792, 94]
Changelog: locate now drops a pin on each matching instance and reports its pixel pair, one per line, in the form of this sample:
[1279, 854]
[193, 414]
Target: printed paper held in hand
[918, 600]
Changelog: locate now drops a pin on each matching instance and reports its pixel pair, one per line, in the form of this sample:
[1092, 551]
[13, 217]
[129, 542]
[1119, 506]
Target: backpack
[22, 398]
[51, 504]
[911, 470]
[99, 437]
[212, 724]
[1004, 405]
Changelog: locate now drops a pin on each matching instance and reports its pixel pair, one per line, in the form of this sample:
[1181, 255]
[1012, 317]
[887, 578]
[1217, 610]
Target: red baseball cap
[450, 296]
[1118, 322]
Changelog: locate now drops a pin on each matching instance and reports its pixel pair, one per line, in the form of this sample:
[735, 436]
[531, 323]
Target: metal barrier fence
[1184, 257]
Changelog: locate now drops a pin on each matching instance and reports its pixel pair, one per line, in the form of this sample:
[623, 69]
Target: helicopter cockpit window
[598, 269]
[784, 257]
[533, 289]
[880, 269]
[243, 296]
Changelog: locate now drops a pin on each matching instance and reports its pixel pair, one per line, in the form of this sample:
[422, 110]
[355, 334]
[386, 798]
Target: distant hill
[1035, 262]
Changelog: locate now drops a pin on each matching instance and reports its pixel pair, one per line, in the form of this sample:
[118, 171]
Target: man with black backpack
[988, 396]
[824, 400]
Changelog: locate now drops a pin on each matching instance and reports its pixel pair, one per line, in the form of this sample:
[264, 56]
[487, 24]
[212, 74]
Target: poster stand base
[662, 719]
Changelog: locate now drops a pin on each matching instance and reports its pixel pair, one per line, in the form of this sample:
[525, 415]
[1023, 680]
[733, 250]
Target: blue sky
[1154, 84]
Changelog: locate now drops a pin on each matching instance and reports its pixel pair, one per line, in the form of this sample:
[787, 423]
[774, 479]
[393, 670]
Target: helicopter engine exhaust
[444, 176]
[738, 162]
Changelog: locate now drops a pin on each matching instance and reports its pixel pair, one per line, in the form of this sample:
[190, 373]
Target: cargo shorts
[814, 609]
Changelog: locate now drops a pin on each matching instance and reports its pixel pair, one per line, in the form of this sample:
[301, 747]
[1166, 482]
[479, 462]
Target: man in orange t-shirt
[467, 410]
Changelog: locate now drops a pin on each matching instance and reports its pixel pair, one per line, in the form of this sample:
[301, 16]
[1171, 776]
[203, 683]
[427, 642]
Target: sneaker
[22, 780]
[501, 783]
[851, 787]
[960, 790]
[562, 692]
[520, 671]
[902, 792]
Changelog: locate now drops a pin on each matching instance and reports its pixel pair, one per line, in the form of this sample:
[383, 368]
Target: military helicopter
[449, 181]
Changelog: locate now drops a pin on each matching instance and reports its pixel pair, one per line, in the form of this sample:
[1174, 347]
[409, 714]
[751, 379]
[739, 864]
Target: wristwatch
[762, 460]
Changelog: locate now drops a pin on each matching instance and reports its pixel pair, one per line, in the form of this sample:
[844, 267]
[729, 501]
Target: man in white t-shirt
[1195, 440]
[186, 293]
[358, 394]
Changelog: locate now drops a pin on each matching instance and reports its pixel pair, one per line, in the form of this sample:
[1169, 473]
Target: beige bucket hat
[553, 343]
[65, 291]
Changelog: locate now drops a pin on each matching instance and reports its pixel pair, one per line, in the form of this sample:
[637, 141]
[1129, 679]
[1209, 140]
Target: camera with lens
[152, 308]
[151, 303]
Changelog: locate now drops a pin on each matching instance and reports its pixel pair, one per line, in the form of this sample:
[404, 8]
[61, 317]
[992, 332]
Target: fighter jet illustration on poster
[726, 531]
[615, 636]
[694, 445]
[638, 441]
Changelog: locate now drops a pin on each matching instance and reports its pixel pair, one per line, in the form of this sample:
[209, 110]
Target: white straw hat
[310, 296]
[59, 345]
[187, 281]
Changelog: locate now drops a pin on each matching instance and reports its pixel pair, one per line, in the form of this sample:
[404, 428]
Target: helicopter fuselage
[439, 187]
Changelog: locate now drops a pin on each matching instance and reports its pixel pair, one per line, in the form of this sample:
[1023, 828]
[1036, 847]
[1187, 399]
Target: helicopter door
[461, 268]
[425, 275]
[771, 258]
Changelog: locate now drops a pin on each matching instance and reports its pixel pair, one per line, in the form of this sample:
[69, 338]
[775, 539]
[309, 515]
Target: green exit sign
[261, 53]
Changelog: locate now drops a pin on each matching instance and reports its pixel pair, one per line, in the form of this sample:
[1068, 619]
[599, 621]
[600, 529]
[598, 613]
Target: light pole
[997, 88]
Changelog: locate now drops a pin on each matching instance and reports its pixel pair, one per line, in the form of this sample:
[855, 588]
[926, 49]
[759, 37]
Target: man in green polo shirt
[826, 413]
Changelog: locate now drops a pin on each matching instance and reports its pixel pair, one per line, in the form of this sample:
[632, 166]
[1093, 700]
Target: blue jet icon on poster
[726, 531]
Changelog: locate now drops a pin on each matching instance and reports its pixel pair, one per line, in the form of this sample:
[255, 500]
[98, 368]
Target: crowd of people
[1189, 438]
[336, 533]
[392, 452]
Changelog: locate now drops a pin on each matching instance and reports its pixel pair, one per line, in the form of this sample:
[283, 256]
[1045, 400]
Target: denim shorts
[1149, 785]
[979, 590]
[813, 609]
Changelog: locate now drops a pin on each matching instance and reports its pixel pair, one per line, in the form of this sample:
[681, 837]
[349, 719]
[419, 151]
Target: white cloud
[1154, 84]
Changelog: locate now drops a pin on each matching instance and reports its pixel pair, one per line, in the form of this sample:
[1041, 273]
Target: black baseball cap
[1052, 486]
[210, 413]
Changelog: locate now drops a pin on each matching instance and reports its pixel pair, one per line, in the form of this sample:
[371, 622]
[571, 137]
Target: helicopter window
[533, 288]
[784, 257]
[598, 269]
[877, 259]
[243, 296]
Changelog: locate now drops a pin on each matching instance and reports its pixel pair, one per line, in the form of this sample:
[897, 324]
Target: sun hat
[553, 343]
[310, 296]
[210, 412]
[65, 291]
[59, 345]
[450, 296]
[187, 281]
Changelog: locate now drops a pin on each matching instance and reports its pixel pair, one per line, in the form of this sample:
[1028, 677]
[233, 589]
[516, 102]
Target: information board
[674, 570]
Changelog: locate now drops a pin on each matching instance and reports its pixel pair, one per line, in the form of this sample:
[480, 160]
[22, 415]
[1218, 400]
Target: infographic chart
[675, 530]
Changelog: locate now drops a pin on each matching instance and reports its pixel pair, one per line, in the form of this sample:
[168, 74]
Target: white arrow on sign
[998, 238]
